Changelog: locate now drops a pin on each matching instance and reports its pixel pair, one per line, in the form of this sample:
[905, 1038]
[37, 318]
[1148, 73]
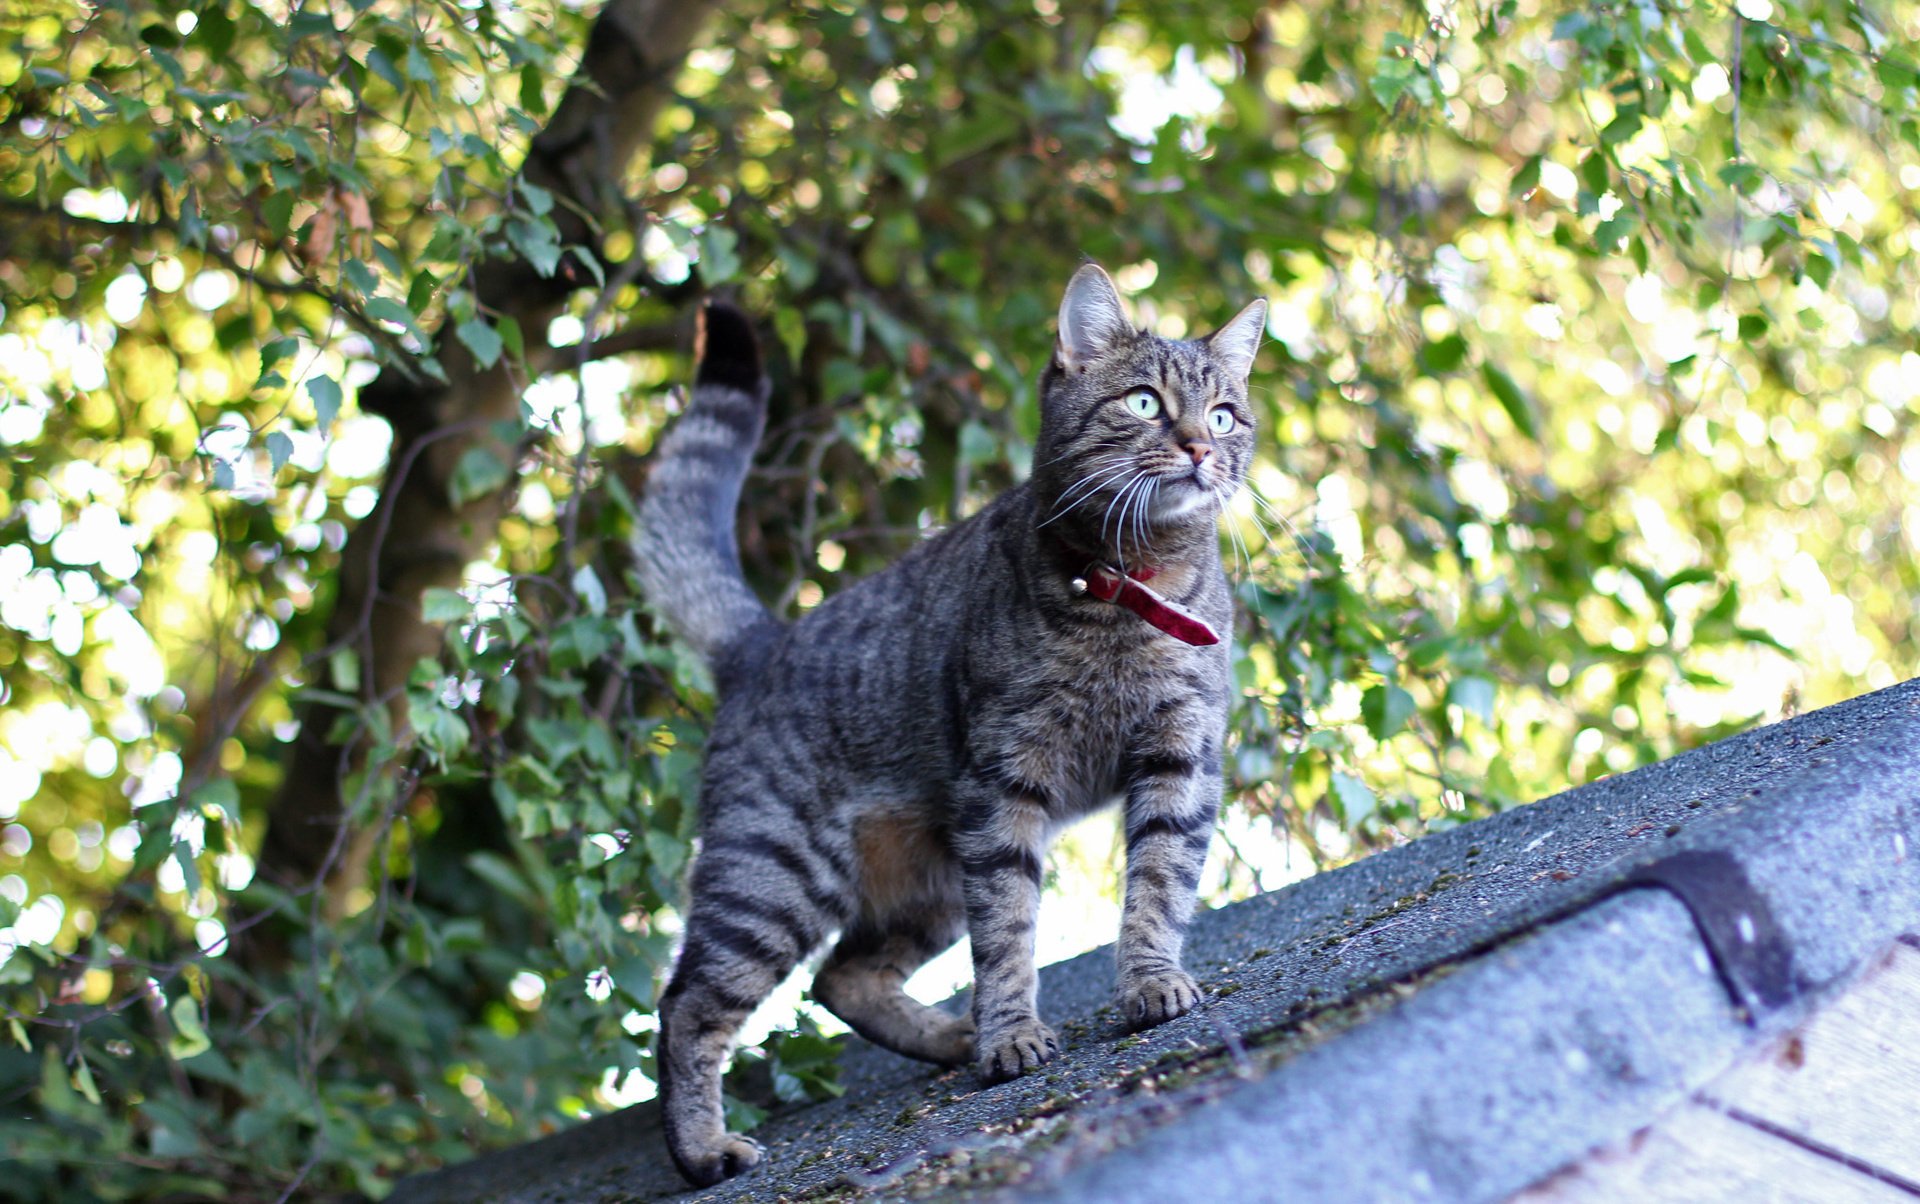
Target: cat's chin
[1187, 501]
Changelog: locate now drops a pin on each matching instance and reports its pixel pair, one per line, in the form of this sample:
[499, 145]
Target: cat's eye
[1143, 403]
[1221, 420]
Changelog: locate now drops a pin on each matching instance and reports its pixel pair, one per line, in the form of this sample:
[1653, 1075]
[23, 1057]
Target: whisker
[1127, 489]
[1233, 528]
[1067, 501]
[1301, 544]
[1130, 517]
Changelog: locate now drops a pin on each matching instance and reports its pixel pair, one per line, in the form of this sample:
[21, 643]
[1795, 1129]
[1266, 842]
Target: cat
[891, 766]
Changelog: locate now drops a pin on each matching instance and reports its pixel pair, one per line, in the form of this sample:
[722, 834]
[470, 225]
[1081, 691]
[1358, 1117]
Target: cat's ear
[1092, 322]
[1234, 344]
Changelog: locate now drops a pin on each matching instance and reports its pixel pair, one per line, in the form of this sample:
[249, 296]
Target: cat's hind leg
[862, 980]
[760, 903]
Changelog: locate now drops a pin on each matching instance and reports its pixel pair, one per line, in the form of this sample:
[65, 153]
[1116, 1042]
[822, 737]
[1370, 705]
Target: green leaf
[279, 448]
[533, 89]
[1352, 799]
[1386, 709]
[539, 200]
[189, 867]
[325, 392]
[477, 473]
[386, 309]
[438, 605]
[481, 339]
[420, 292]
[215, 32]
[1741, 177]
[538, 241]
[1443, 355]
[277, 210]
[83, 1082]
[1896, 73]
[587, 587]
[1625, 124]
[1511, 399]
[361, 277]
[1527, 178]
[189, 1039]
[719, 262]
[511, 339]
[344, 670]
[1474, 695]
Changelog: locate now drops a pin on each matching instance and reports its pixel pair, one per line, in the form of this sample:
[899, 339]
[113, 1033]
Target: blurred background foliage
[1591, 422]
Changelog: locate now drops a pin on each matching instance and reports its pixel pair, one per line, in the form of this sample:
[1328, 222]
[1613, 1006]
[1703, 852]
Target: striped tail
[688, 560]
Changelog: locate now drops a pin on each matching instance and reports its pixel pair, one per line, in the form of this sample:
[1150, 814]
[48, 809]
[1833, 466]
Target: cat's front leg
[1000, 840]
[1171, 803]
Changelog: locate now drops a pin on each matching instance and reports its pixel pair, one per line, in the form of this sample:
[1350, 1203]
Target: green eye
[1144, 403]
[1221, 420]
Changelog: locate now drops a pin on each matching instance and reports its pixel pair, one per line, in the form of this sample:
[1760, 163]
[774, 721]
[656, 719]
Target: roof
[1453, 1019]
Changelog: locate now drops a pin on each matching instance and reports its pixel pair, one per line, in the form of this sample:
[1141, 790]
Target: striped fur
[689, 564]
[892, 767]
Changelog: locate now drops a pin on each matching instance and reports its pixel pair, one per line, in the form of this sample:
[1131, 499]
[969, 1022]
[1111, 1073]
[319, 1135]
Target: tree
[336, 337]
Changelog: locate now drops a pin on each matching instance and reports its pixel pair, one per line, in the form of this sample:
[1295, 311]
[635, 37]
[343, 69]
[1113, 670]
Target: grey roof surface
[1448, 1020]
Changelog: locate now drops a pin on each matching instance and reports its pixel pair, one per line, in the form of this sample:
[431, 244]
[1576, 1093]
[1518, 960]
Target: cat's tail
[688, 560]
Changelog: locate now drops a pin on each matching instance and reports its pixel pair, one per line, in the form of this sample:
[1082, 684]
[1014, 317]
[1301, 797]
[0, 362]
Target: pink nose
[1199, 451]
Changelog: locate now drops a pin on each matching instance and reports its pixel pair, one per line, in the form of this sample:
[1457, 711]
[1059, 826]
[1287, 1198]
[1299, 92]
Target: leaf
[386, 309]
[719, 262]
[83, 1082]
[1511, 399]
[219, 794]
[361, 277]
[325, 392]
[1386, 709]
[477, 473]
[587, 587]
[420, 292]
[538, 241]
[1895, 73]
[277, 210]
[344, 670]
[279, 448]
[511, 339]
[438, 605]
[189, 1038]
[215, 32]
[533, 90]
[1352, 799]
[1625, 124]
[1443, 355]
[1741, 177]
[1527, 178]
[481, 339]
[1474, 695]
[189, 867]
[539, 200]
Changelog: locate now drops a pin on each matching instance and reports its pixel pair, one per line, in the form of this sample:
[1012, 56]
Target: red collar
[1130, 590]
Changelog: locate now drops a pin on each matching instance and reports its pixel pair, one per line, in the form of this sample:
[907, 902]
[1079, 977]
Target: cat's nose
[1198, 450]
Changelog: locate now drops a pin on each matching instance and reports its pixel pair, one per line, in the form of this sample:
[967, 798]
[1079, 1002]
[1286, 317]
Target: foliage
[1591, 391]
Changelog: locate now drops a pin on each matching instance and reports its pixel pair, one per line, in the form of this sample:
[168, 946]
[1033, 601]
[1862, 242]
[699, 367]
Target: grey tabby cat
[892, 766]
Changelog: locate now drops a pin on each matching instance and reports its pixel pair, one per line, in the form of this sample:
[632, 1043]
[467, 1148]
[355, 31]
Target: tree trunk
[417, 537]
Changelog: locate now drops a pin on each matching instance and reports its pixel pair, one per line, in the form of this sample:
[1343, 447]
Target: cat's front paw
[1011, 1051]
[1149, 999]
[732, 1154]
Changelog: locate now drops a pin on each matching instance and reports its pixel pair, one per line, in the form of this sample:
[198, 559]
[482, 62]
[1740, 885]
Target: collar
[1129, 588]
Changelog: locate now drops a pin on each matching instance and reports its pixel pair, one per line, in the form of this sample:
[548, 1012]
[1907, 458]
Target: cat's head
[1140, 435]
